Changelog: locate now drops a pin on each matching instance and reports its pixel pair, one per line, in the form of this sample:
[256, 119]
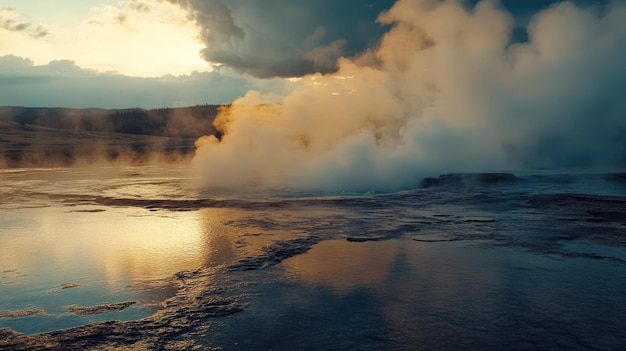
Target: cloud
[139, 6]
[9, 20]
[445, 91]
[134, 37]
[62, 83]
[282, 37]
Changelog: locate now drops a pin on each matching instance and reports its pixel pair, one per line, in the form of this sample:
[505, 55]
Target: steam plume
[445, 91]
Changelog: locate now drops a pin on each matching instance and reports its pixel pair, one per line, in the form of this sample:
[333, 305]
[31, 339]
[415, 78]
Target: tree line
[183, 122]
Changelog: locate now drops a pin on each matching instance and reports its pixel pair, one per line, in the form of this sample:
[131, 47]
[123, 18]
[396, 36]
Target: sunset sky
[157, 53]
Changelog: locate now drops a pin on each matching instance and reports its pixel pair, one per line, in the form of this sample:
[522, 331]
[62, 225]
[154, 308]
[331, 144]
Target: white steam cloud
[445, 91]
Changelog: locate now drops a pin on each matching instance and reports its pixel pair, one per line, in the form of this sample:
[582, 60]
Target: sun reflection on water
[101, 254]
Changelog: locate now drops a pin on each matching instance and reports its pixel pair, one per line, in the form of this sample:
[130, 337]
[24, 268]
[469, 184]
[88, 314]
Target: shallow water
[401, 294]
[534, 262]
[54, 254]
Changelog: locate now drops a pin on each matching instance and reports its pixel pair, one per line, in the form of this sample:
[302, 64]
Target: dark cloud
[8, 22]
[64, 84]
[290, 38]
[285, 38]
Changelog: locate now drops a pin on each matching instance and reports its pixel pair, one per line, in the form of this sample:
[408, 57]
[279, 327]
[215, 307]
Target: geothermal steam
[445, 91]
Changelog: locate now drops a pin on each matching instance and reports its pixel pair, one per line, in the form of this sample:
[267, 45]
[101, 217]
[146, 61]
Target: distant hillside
[47, 137]
[185, 122]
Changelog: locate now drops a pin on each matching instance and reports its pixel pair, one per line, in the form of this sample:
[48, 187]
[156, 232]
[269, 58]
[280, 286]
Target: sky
[168, 53]
[165, 53]
[341, 94]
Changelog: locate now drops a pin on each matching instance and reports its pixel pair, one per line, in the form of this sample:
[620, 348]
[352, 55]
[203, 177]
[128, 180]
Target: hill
[42, 137]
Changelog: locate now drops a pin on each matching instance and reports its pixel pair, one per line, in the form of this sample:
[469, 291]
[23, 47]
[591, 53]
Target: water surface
[465, 262]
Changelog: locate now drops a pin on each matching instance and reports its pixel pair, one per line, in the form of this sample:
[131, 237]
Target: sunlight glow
[136, 38]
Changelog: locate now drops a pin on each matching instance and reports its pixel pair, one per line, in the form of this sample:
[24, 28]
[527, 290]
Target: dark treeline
[38, 137]
[184, 122]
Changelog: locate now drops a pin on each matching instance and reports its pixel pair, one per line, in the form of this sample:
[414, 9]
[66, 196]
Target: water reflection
[49, 239]
[231, 234]
[345, 267]
[218, 247]
[448, 296]
[114, 254]
[111, 254]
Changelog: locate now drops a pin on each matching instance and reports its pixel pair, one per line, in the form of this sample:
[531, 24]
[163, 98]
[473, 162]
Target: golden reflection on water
[408, 277]
[343, 266]
[50, 237]
[121, 246]
[437, 272]
[117, 245]
[230, 234]
[218, 245]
